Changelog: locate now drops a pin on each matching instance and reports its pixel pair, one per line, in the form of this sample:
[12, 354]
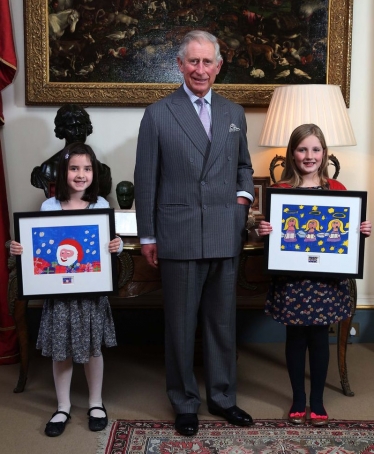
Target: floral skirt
[76, 329]
[296, 301]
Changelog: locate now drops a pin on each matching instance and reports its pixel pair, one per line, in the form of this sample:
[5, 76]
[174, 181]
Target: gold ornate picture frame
[48, 83]
[259, 203]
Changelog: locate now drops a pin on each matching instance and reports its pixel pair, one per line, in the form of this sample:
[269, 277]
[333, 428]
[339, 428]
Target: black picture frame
[325, 239]
[49, 237]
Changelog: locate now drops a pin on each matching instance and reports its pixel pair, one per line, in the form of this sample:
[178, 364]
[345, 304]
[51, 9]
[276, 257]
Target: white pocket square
[233, 128]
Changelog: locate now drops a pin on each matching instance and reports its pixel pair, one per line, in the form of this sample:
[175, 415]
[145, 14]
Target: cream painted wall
[28, 138]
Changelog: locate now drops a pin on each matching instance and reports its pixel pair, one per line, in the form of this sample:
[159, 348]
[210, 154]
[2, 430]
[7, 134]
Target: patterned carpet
[218, 437]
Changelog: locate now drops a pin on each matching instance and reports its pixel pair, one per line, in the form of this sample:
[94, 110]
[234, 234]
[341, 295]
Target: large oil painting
[123, 52]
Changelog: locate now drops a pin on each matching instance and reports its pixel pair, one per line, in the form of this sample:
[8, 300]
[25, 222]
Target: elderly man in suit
[193, 189]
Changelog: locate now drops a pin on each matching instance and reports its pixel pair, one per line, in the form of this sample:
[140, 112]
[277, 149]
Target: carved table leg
[23, 340]
[344, 328]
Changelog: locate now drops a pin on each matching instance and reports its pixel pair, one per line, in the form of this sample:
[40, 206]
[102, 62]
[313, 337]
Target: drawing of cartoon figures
[290, 227]
[335, 229]
[311, 228]
[69, 254]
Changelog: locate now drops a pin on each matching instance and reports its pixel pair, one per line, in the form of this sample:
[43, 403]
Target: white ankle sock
[96, 413]
[60, 417]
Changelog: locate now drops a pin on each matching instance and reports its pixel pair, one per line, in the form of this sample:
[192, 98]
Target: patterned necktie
[204, 116]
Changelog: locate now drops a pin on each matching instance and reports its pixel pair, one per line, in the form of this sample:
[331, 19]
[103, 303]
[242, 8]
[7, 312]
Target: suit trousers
[203, 288]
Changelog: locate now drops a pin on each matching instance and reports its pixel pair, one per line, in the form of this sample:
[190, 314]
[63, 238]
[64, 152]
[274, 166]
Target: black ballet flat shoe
[54, 429]
[96, 424]
[234, 415]
[187, 424]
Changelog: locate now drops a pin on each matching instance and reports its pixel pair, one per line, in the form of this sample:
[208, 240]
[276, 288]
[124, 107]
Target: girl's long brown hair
[291, 174]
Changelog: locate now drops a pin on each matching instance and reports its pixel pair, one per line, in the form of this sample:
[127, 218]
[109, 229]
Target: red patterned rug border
[257, 422]
[115, 439]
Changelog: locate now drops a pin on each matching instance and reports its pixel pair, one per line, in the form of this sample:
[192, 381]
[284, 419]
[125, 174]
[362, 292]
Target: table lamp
[294, 105]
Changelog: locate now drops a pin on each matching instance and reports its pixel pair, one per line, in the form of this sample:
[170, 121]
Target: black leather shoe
[234, 415]
[54, 429]
[187, 424]
[96, 424]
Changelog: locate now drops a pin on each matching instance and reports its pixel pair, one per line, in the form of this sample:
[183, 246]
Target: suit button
[227, 205]
[203, 183]
[225, 182]
[204, 207]
[229, 158]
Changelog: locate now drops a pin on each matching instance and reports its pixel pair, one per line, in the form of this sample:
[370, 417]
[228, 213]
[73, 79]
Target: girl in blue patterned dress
[71, 329]
[308, 305]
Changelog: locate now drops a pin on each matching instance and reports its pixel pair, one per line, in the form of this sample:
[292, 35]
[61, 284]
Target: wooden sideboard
[140, 287]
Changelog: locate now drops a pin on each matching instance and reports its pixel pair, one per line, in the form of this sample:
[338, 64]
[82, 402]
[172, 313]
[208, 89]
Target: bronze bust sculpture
[125, 194]
[74, 125]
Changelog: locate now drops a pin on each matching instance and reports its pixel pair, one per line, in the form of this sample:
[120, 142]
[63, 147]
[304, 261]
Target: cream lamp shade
[294, 105]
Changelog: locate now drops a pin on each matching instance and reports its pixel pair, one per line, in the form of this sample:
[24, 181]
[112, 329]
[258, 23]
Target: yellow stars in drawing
[283, 247]
[323, 249]
[331, 210]
[307, 249]
[301, 207]
[315, 208]
[286, 210]
[297, 247]
[320, 242]
[341, 251]
[302, 215]
[345, 243]
[332, 248]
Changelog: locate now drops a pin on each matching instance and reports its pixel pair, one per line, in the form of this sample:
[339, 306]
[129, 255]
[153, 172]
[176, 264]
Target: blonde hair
[288, 220]
[312, 220]
[341, 227]
[291, 174]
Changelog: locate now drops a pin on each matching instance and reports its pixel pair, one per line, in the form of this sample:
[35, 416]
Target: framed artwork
[315, 232]
[125, 221]
[123, 53]
[259, 204]
[65, 253]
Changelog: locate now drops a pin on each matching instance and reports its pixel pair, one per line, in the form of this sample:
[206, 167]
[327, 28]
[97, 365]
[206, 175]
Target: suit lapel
[189, 121]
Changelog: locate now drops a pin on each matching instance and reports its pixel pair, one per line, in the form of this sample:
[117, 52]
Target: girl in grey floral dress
[74, 329]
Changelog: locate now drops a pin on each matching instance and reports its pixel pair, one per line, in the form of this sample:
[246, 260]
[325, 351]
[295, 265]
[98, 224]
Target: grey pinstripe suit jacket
[185, 194]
